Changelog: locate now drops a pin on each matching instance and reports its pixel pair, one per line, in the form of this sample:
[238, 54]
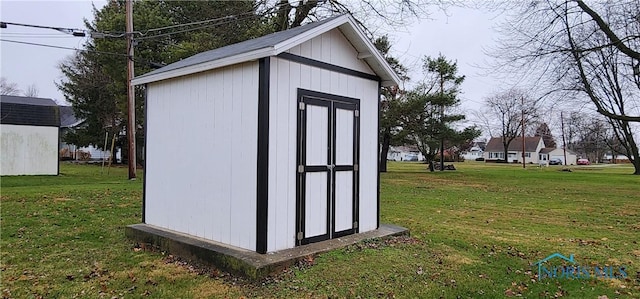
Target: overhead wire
[60, 47]
[61, 29]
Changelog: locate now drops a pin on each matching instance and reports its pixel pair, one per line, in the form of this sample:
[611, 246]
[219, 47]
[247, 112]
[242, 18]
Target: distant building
[548, 153]
[476, 151]
[29, 134]
[619, 158]
[404, 153]
[494, 151]
[68, 122]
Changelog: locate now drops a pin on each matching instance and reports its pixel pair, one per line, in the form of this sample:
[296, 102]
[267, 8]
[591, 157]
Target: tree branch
[615, 40]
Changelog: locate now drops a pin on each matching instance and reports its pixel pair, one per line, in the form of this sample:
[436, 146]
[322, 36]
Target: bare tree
[368, 13]
[31, 91]
[508, 111]
[583, 51]
[8, 88]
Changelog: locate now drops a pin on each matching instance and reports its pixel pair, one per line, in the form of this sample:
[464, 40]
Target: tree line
[94, 80]
[568, 51]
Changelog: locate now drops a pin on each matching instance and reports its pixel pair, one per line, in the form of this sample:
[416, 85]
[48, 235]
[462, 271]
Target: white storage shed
[29, 135]
[270, 143]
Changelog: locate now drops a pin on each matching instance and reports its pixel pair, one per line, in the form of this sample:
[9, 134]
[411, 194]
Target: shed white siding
[28, 150]
[286, 78]
[202, 129]
[332, 47]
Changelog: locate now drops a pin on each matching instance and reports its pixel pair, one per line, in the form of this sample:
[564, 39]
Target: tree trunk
[441, 154]
[506, 153]
[636, 165]
[386, 139]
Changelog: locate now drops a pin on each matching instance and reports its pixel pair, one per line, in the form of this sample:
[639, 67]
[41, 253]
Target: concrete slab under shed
[241, 261]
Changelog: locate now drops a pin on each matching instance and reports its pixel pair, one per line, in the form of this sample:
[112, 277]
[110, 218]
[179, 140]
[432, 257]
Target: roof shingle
[531, 144]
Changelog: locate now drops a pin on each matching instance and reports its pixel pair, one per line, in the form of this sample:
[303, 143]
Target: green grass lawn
[475, 233]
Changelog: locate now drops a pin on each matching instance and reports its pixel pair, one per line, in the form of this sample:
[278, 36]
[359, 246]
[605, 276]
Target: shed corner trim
[262, 188]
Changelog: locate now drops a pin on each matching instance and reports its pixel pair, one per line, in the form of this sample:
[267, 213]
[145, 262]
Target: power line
[192, 29]
[63, 48]
[36, 36]
[154, 65]
[72, 31]
[189, 24]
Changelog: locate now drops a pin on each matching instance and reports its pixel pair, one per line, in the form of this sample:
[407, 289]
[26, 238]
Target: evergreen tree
[95, 79]
[544, 132]
[428, 115]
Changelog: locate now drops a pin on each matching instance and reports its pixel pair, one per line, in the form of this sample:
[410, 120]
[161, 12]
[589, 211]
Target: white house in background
[68, 121]
[495, 150]
[293, 118]
[548, 153]
[608, 157]
[29, 136]
[474, 152]
[404, 153]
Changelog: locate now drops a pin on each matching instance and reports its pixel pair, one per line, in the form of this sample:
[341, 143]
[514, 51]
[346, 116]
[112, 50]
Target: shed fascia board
[309, 34]
[392, 78]
[346, 25]
[206, 66]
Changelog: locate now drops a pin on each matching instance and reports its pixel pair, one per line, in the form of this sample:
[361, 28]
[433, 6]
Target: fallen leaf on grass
[132, 277]
[151, 282]
[509, 293]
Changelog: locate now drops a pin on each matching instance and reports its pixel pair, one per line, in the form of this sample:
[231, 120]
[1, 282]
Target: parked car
[411, 157]
[583, 162]
[555, 161]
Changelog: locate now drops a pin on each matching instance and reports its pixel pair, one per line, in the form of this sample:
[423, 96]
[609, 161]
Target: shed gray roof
[239, 48]
[27, 100]
[29, 111]
[272, 45]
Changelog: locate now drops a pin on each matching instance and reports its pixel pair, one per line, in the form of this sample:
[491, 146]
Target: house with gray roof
[494, 151]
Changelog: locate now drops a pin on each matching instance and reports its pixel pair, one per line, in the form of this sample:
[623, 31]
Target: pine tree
[544, 132]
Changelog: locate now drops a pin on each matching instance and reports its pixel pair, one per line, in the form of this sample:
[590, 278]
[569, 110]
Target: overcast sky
[460, 35]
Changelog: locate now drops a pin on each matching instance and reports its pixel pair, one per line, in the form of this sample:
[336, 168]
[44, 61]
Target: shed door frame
[333, 103]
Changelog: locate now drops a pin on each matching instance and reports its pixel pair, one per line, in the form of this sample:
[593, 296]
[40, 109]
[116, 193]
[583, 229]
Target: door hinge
[301, 106]
[355, 167]
[356, 113]
[299, 236]
[355, 224]
[300, 168]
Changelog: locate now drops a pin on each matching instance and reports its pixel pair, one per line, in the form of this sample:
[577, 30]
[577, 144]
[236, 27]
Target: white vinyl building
[292, 121]
[29, 135]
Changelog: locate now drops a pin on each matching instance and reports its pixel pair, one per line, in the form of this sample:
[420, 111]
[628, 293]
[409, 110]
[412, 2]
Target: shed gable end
[332, 47]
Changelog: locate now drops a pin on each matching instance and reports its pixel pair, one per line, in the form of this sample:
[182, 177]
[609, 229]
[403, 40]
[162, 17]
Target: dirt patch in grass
[212, 289]
[458, 258]
[62, 199]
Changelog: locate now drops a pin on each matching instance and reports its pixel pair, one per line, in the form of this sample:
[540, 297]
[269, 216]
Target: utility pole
[564, 141]
[131, 102]
[523, 143]
[441, 122]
